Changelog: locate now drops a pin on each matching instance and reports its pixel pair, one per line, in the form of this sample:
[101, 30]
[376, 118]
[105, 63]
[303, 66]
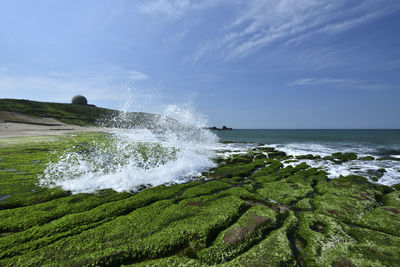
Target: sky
[260, 64]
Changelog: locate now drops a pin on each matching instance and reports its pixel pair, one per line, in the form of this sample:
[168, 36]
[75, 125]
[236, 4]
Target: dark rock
[389, 158]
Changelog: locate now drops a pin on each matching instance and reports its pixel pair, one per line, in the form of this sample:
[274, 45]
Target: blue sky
[245, 64]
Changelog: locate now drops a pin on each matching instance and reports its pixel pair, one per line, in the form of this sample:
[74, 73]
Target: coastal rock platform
[259, 208]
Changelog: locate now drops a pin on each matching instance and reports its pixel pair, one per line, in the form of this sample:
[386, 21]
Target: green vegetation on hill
[84, 115]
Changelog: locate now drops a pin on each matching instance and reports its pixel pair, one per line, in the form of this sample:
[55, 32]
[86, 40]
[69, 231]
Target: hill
[83, 115]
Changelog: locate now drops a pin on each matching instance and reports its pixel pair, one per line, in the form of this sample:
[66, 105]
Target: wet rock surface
[248, 211]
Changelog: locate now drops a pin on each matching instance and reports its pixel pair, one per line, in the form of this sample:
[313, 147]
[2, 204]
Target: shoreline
[14, 124]
[17, 129]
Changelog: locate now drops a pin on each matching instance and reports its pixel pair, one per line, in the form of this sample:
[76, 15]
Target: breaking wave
[130, 159]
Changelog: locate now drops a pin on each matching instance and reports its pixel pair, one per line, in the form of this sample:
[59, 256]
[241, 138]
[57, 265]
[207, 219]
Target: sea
[376, 143]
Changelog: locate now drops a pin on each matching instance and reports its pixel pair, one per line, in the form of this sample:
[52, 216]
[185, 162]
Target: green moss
[291, 161]
[248, 187]
[265, 149]
[260, 156]
[368, 236]
[384, 189]
[274, 250]
[303, 204]
[392, 199]
[20, 165]
[389, 158]
[276, 154]
[308, 156]
[228, 221]
[396, 186]
[240, 158]
[73, 224]
[385, 219]
[272, 167]
[205, 189]
[149, 232]
[239, 192]
[321, 234]
[240, 169]
[284, 192]
[170, 261]
[368, 248]
[347, 198]
[368, 158]
[290, 184]
[343, 157]
[239, 237]
[12, 220]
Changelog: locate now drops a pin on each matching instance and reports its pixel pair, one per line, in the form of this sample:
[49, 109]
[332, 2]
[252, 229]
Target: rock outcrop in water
[250, 211]
[224, 128]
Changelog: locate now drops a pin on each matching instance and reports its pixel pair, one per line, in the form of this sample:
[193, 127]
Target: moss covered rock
[251, 210]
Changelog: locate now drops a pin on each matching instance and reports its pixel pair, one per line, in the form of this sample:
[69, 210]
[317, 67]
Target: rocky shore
[259, 208]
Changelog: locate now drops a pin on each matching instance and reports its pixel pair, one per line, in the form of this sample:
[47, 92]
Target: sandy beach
[16, 125]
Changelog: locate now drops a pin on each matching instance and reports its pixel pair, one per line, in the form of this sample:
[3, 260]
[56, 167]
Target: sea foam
[364, 168]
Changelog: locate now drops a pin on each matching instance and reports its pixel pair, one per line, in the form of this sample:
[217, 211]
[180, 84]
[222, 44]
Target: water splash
[175, 149]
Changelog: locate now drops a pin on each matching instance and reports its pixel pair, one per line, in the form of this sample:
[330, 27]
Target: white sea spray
[129, 159]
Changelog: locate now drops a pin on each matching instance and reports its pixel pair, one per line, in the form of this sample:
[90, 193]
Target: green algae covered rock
[274, 250]
[346, 198]
[368, 158]
[304, 204]
[239, 169]
[250, 210]
[341, 157]
[320, 234]
[392, 199]
[308, 156]
[240, 236]
[385, 219]
[284, 192]
[396, 186]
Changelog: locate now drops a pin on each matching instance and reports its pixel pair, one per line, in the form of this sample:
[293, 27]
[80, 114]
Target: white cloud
[174, 8]
[337, 83]
[135, 75]
[263, 22]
